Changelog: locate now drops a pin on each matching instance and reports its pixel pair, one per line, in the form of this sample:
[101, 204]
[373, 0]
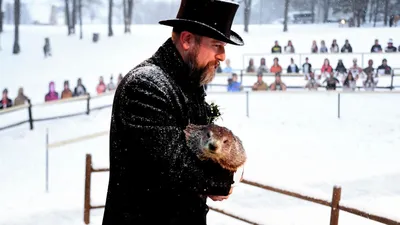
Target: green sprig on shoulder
[214, 112]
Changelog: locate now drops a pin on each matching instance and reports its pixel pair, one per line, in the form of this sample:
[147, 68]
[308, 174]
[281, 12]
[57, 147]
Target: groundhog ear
[187, 133]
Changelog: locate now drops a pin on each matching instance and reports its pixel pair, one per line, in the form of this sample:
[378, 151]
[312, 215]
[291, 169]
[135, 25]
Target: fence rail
[31, 120]
[334, 204]
[87, 203]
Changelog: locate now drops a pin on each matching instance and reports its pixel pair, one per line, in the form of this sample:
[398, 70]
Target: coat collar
[171, 62]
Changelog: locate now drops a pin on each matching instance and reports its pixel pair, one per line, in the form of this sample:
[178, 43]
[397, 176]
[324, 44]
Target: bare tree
[1, 16]
[67, 18]
[313, 4]
[73, 22]
[17, 10]
[386, 13]
[327, 5]
[80, 19]
[247, 13]
[285, 19]
[110, 15]
[127, 12]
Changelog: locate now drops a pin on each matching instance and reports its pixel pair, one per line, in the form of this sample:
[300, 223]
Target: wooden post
[86, 215]
[88, 105]
[30, 114]
[337, 192]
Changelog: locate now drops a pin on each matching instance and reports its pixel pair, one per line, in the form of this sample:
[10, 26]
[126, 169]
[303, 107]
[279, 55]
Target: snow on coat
[154, 177]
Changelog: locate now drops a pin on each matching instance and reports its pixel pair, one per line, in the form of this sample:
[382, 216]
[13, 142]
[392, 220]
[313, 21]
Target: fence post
[337, 192]
[247, 103]
[88, 105]
[391, 82]
[338, 106]
[86, 215]
[30, 114]
[47, 160]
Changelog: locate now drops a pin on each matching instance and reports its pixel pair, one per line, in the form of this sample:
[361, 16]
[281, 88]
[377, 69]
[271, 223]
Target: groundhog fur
[216, 143]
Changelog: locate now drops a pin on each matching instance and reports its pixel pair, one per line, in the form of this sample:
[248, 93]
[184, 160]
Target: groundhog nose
[212, 146]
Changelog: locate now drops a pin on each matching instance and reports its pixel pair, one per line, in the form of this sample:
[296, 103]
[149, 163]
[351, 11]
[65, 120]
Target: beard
[200, 74]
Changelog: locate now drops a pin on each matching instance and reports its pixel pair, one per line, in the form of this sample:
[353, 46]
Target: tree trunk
[1, 16]
[327, 4]
[67, 20]
[313, 3]
[285, 16]
[371, 10]
[130, 14]
[385, 19]
[110, 9]
[247, 11]
[125, 14]
[376, 11]
[73, 16]
[17, 9]
[80, 20]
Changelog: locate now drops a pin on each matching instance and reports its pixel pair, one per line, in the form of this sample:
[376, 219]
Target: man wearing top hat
[154, 178]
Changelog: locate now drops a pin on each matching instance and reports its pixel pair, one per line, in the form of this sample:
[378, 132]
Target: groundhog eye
[226, 141]
[208, 134]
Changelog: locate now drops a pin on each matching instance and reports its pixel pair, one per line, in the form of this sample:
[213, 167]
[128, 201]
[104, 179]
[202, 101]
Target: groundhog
[213, 142]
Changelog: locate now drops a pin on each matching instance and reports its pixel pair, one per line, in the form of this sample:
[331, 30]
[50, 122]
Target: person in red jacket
[326, 68]
[5, 101]
[101, 87]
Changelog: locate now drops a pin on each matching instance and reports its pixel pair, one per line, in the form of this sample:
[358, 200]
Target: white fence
[317, 59]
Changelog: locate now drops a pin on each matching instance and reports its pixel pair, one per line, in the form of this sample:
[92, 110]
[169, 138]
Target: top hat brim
[203, 30]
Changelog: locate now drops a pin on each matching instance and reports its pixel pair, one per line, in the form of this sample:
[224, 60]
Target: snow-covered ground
[294, 140]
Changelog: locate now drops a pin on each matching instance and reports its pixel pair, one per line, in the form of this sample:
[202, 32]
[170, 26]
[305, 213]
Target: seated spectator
[312, 83]
[349, 84]
[228, 68]
[355, 69]
[346, 47]
[370, 68]
[326, 68]
[323, 48]
[5, 101]
[67, 93]
[307, 68]
[21, 99]
[111, 85]
[251, 68]
[278, 85]
[390, 47]
[260, 85]
[292, 68]
[101, 87]
[119, 79]
[370, 82]
[80, 89]
[277, 48]
[314, 47]
[340, 68]
[376, 47]
[289, 48]
[331, 82]
[384, 68]
[263, 67]
[233, 84]
[219, 69]
[52, 95]
[276, 68]
[334, 47]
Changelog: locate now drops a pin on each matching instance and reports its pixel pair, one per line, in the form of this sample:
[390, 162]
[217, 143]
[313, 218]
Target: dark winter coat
[346, 48]
[154, 177]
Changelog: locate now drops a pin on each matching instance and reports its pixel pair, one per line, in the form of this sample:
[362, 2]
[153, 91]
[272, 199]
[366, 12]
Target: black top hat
[210, 18]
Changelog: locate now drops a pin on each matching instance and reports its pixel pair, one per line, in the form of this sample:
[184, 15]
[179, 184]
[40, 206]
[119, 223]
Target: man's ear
[187, 40]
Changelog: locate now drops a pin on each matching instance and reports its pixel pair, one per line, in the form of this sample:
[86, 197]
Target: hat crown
[218, 14]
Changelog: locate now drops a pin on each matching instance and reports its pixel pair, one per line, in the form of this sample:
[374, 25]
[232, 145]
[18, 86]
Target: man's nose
[221, 55]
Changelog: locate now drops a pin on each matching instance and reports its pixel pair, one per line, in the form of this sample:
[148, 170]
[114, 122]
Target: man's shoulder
[148, 75]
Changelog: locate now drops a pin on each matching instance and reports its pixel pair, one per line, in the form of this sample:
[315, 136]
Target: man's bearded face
[203, 59]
